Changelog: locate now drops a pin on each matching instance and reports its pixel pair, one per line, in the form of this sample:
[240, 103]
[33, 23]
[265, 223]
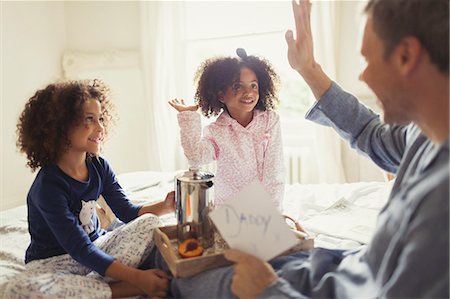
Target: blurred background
[148, 52]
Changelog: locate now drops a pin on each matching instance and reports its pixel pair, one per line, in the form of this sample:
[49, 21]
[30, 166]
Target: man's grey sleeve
[361, 127]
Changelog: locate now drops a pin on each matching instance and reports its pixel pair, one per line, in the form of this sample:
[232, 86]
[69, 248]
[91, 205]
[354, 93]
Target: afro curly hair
[43, 126]
[216, 74]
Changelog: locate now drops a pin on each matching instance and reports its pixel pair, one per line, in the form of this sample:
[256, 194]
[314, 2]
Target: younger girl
[245, 140]
[61, 131]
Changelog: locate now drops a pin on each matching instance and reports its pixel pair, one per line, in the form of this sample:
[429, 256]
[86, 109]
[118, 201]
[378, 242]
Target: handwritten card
[250, 222]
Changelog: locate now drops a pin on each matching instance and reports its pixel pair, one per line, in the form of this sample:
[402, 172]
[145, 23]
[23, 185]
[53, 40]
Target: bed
[336, 215]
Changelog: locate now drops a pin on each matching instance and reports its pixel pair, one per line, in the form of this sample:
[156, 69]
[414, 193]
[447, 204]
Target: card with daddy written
[250, 222]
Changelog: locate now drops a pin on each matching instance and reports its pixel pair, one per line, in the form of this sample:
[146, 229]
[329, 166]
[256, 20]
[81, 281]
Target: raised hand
[180, 106]
[300, 50]
[251, 275]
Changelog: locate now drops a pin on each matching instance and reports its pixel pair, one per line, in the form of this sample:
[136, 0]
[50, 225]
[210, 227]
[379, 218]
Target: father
[406, 48]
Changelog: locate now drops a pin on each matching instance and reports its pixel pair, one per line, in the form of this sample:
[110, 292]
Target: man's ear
[408, 54]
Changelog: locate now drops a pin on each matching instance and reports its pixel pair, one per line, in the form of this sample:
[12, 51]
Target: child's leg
[56, 277]
[131, 243]
[63, 277]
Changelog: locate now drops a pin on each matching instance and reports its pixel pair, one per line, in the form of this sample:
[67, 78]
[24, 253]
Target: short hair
[427, 20]
[216, 74]
[43, 126]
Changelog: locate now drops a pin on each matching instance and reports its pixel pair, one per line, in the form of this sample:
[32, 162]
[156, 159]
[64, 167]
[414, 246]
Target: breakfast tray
[167, 243]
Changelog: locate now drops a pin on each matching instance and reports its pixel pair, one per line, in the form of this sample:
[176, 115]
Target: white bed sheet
[337, 215]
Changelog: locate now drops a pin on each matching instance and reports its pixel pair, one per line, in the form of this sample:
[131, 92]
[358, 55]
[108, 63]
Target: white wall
[95, 26]
[32, 41]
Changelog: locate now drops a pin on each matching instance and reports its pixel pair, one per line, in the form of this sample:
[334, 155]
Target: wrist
[316, 79]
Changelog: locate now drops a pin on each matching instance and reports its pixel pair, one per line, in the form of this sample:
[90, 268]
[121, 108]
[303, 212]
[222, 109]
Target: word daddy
[236, 220]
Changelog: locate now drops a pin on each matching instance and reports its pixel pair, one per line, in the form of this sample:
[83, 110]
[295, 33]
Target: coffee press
[193, 204]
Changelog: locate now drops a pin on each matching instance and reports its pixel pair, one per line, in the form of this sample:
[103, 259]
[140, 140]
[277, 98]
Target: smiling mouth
[96, 140]
[247, 101]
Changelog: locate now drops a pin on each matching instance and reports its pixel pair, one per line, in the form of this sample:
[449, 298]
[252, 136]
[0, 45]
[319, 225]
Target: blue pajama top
[62, 217]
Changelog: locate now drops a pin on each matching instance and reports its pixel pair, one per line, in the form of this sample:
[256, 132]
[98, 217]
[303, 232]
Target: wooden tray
[166, 240]
[167, 243]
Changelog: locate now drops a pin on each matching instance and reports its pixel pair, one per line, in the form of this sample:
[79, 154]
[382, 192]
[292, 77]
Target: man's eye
[101, 120]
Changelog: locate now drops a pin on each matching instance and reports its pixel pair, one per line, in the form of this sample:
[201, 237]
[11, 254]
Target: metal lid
[195, 175]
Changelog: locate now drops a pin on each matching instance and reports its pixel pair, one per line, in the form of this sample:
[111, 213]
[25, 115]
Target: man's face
[383, 77]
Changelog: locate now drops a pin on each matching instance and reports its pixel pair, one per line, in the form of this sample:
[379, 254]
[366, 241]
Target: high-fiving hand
[301, 51]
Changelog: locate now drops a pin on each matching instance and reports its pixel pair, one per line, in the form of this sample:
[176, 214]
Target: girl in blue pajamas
[70, 256]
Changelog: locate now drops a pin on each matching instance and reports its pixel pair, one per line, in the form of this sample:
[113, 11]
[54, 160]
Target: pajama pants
[63, 277]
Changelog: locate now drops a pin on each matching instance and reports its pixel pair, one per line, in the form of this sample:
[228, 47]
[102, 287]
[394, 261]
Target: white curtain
[328, 146]
[162, 61]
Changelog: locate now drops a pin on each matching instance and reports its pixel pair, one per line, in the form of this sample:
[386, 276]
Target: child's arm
[135, 282]
[164, 207]
[274, 172]
[197, 149]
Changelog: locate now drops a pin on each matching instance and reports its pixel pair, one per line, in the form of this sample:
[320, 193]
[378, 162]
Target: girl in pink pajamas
[245, 139]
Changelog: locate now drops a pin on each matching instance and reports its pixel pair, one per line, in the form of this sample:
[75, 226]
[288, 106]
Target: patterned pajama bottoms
[63, 277]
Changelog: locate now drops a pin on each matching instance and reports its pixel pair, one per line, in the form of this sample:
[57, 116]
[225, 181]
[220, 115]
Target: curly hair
[44, 124]
[217, 74]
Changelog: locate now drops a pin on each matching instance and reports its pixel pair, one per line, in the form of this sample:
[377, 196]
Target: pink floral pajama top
[243, 154]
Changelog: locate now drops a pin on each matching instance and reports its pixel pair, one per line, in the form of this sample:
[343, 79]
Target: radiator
[295, 163]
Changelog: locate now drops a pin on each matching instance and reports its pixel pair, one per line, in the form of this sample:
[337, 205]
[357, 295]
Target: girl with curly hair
[61, 131]
[245, 139]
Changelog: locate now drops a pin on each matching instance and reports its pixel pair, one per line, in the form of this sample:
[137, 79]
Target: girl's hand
[169, 202]
[180, 106]
[163, 207]
[154, 282]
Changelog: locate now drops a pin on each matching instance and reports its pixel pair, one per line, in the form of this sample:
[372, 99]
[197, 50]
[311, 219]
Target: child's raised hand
[180, 106]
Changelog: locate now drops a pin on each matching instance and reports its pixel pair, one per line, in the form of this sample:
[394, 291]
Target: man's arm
[361, 127]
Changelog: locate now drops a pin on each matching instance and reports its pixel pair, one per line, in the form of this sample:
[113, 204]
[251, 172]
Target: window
[259, 28]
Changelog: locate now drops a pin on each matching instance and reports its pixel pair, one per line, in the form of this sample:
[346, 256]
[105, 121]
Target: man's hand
[300, 50]
[251, 275]
[180, 106]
